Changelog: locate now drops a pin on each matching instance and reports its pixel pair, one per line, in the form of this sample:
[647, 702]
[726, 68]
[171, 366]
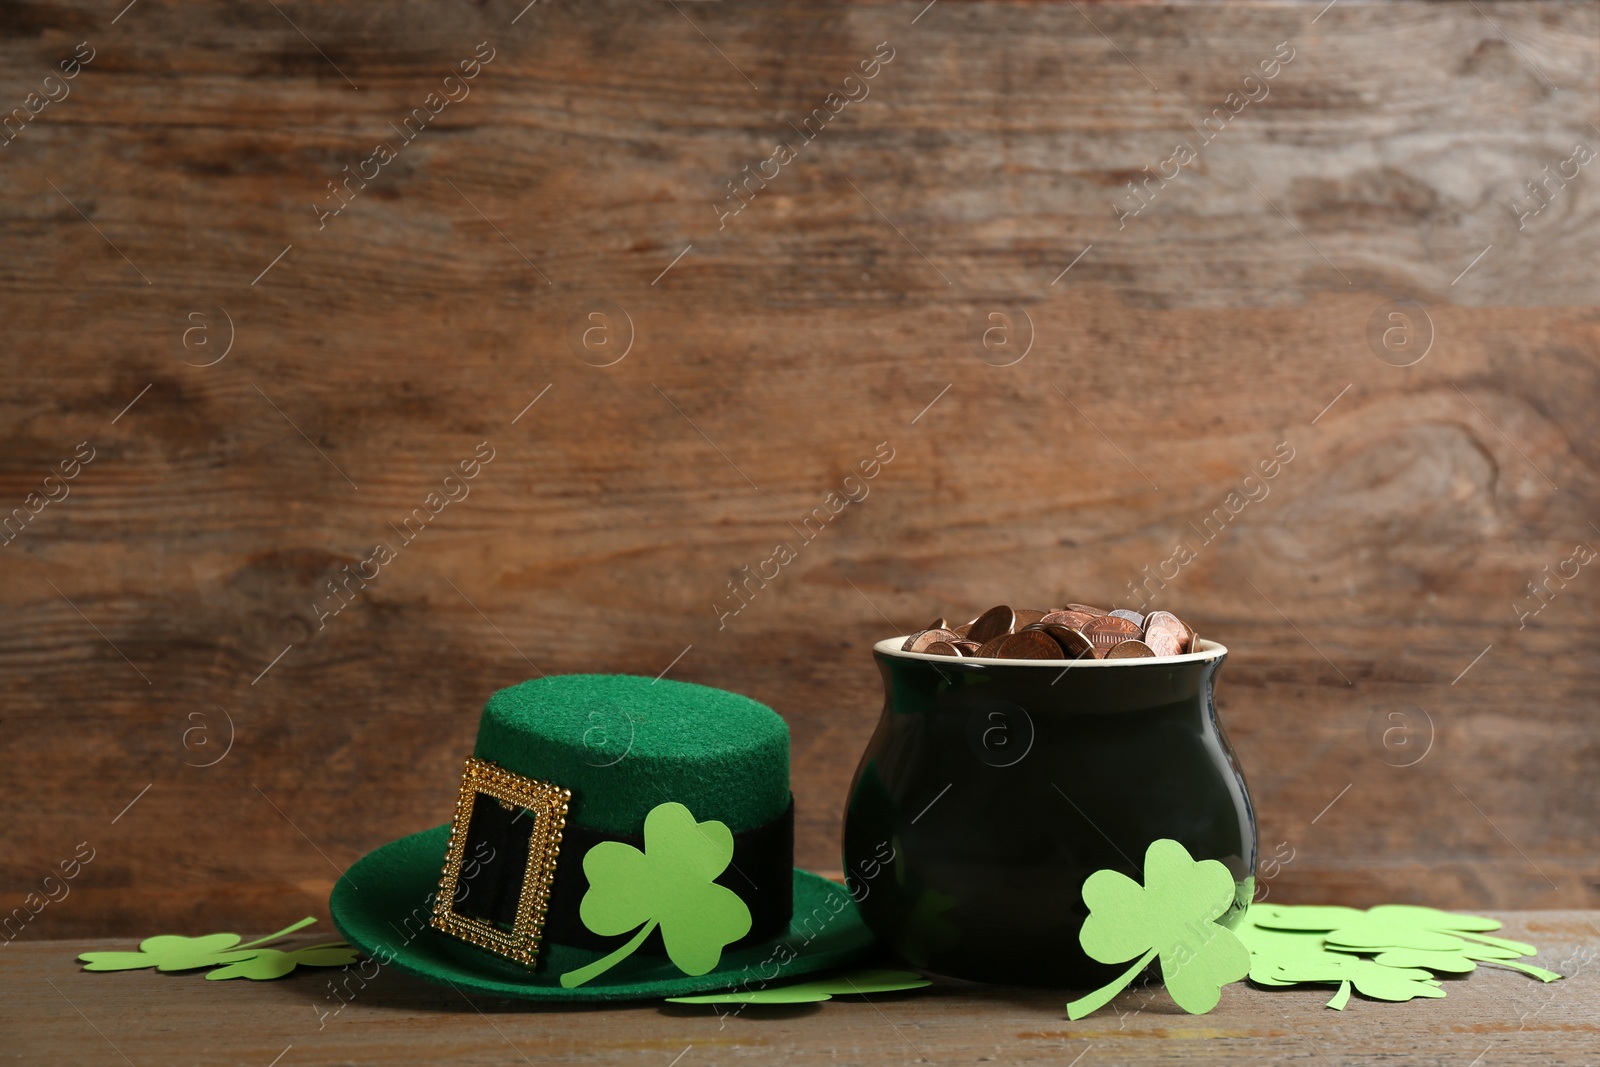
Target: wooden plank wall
[1415, 725]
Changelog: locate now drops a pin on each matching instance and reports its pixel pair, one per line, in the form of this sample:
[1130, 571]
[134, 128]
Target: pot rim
[1209, 650]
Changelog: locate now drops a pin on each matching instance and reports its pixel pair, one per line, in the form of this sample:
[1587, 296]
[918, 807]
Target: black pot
[992, 788]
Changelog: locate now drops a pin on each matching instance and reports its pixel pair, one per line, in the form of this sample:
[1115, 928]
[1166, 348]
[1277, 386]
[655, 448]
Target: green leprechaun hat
[616, 838]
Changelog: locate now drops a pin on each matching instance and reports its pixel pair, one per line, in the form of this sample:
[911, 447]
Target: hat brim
[382, 906]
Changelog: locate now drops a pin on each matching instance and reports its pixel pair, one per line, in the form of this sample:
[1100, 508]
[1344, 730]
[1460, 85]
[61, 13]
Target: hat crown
[625, 744]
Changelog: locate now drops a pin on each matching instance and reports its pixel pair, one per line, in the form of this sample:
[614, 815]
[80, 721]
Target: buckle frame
[548, 804]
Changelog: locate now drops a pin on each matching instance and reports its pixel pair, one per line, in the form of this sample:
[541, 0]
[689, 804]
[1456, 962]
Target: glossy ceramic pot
[992, 788]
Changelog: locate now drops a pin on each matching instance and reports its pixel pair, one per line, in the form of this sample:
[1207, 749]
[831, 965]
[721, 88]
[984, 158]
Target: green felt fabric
[624, 744]
[381, 906]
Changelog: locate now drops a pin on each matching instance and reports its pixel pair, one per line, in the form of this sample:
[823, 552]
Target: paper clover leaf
[1319, 918]
[1391, 926]
[1461, 962]
[171, 952]
[1272, 949]
[1438, 962]
[668, 886]
[1291, 944]
[1408, 926]
[1369, 977]
[855, 982]
[271, 963]
[1170, 916]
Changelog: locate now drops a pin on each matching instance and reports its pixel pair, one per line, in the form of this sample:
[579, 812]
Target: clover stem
[286, 931]
[1528, 969]
[1102, 996]
[605, 963]
[1496, 942]
[1341, 998]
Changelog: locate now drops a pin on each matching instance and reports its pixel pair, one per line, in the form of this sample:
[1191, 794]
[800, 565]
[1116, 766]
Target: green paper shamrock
[852, 983]
[1170, 916]
[1272, 949]
[1286, 957]
[1461, 962]
[1392, 926]
[271, 963]
[1438, 962]
[1369, 977]
[669, 885]
[170, 952]
[1291, 944]
[1319, 918]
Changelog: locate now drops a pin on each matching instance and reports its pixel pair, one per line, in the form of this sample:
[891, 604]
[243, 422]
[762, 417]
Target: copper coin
[1130, 650]
[995, 622]
[1166, 620]
[1074, 645]
[919, 642]
[1107, 631]
[1029, 644]
[966, 648]
[1075, 619]
[1166, 633]
[1163, 642]
[990, 649]
[941, 648]
[1086, 609]
[1194, 641]
[1110, 624]
[1025, 617]
[941, 623]
[1132, 616]
[964, 629]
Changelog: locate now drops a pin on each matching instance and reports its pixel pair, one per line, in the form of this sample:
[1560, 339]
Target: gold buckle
[548, 805]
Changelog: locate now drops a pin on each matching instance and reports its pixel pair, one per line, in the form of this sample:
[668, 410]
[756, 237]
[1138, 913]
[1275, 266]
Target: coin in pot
[1165, 633]
[1075, 619]
[996, 622]
[966, 648]
[1108, 630]
[1025, 617]
[1130, 650]
[1029, 644]
[990, 649]
[1086, 609]
[1164, 642]
[1074, 645]
[919, 642]
[1132, 616]
[941, 648]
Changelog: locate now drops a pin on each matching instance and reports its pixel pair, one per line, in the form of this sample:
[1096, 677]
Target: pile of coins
[1076, 631]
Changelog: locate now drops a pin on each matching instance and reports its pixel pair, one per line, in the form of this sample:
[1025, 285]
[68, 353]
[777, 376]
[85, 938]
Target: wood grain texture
[183, 581]
[1493, 1014]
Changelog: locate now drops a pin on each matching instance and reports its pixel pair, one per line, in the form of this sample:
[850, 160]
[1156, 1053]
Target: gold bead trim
[548, 804]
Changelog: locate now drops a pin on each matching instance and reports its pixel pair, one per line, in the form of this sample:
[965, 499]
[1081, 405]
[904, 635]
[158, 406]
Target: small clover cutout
[272, 963]
[667, 886]
[171, 952]
[1171, 917]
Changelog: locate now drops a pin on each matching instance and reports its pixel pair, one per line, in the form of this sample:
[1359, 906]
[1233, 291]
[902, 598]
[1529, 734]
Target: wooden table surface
[50, 1011]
